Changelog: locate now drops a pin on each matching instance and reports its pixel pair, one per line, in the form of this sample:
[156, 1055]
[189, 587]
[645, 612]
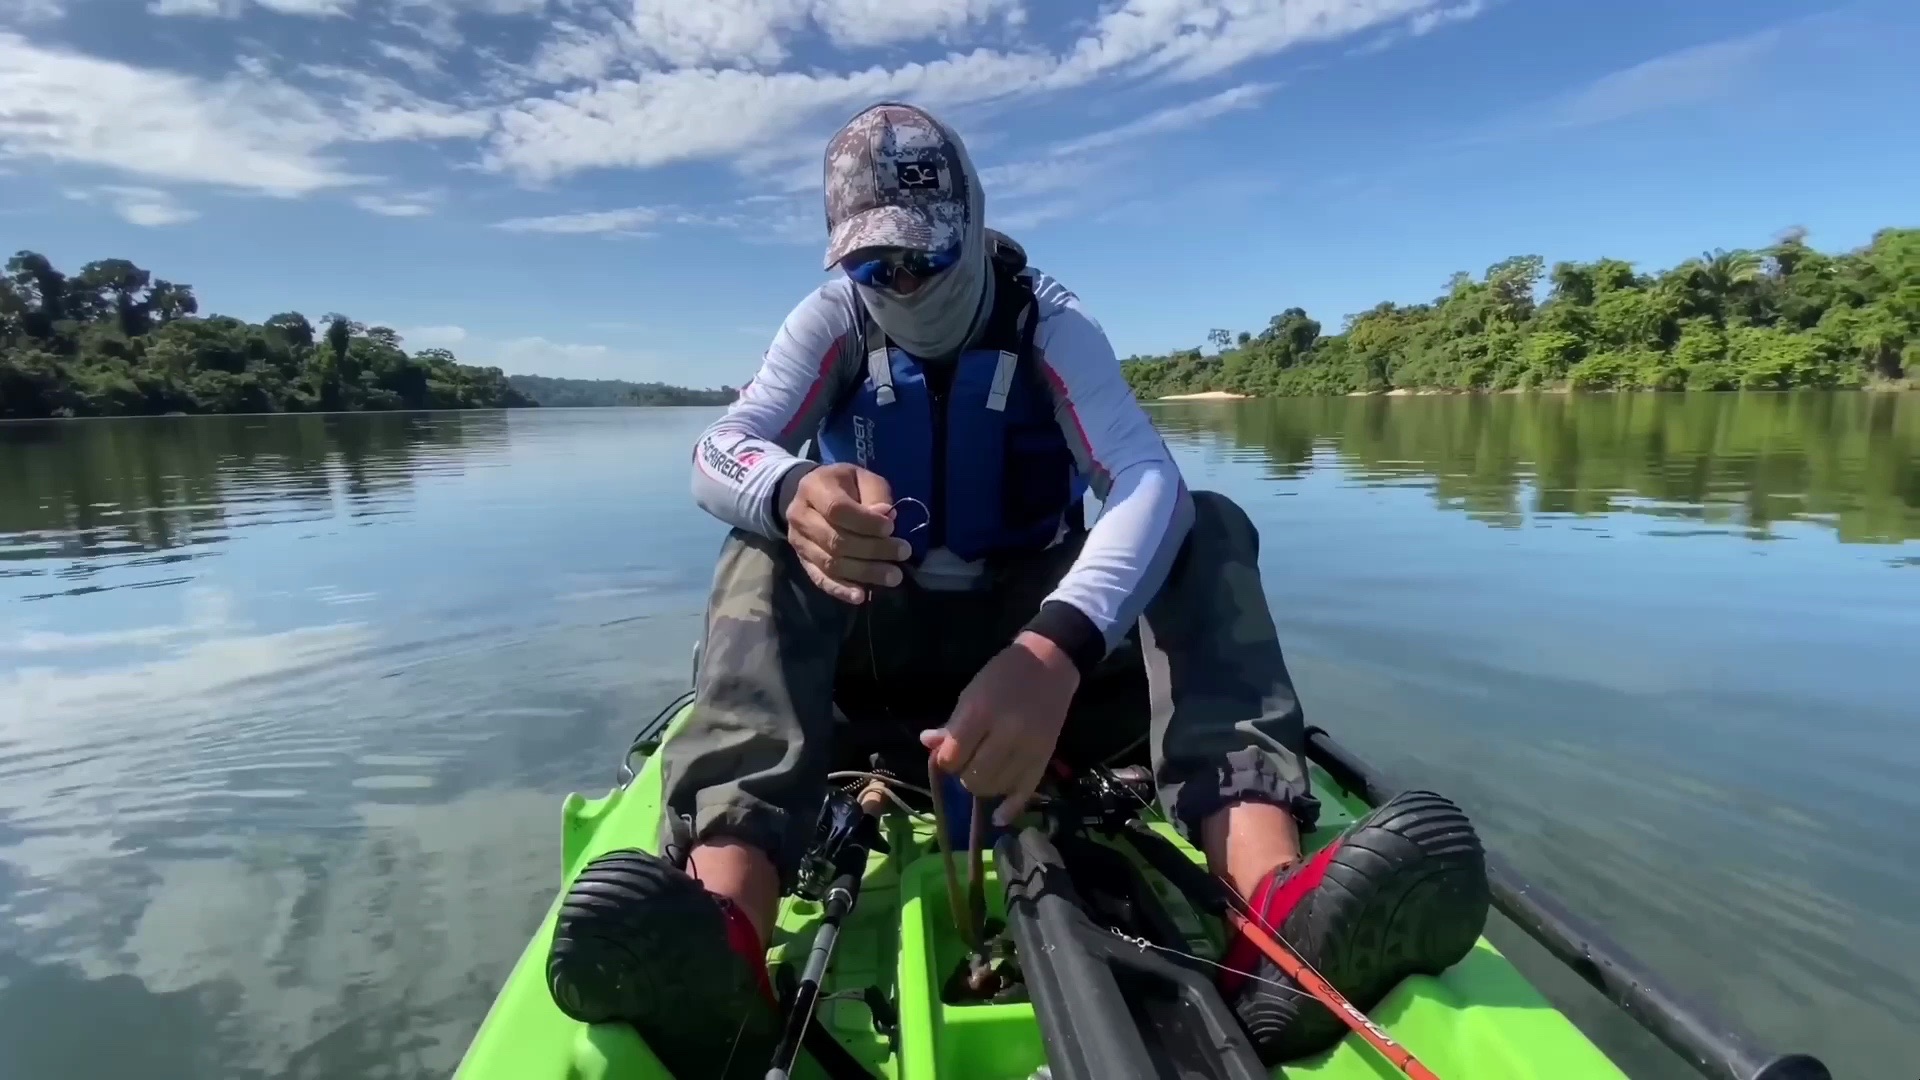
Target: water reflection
[83, 500]
[283, 739]
[1745, 462]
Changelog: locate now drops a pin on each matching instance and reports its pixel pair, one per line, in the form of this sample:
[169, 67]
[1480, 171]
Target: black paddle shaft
[1711, 1044]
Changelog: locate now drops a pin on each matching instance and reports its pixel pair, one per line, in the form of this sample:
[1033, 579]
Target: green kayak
[889, 1003]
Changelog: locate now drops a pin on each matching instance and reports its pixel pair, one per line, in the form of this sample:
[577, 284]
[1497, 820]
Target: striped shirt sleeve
[745, 459]
[1146, 509]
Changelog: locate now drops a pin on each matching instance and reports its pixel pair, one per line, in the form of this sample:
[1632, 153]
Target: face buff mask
[896, 177]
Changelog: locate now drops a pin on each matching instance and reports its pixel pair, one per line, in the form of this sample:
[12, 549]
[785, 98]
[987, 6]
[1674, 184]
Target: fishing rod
[847, 831]
[1218, 898]
[1111, 791]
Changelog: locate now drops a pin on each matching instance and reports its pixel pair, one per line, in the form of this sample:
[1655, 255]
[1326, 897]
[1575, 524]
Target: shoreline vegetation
[115, 340]
[1782, 317]
[555, 393]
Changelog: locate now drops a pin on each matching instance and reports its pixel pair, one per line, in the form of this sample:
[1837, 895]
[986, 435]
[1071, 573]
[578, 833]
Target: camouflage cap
[895, 177]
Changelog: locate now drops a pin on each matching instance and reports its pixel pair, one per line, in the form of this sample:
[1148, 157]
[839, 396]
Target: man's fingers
[839, 590]
[871, 519]
[873, 488]
[1015, 803]
[961, 737]
[849, 571]
[871, 548]
[865, 571]
[837, 543]
[994, 768]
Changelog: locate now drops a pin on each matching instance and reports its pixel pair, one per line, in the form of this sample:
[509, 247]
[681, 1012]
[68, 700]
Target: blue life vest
[975, 441]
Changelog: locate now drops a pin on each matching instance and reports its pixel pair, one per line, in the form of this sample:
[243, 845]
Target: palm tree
[1718, 281]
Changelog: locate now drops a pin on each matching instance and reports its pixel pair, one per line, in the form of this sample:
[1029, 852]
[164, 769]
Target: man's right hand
[840, 522]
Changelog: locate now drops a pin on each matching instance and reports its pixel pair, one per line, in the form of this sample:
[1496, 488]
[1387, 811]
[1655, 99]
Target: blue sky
[631, 190]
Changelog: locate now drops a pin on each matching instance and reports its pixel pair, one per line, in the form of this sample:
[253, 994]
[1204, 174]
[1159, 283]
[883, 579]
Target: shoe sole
[640, 942]
[1405, 894]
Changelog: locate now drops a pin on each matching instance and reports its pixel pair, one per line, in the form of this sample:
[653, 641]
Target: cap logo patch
[917, 175]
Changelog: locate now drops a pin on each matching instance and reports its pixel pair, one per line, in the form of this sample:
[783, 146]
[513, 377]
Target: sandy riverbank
[1208, 395]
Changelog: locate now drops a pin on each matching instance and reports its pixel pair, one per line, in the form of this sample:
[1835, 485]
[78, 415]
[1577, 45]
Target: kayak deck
[1480, 1019]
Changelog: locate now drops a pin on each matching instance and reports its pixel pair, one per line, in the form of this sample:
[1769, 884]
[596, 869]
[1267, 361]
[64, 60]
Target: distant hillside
[575, 393]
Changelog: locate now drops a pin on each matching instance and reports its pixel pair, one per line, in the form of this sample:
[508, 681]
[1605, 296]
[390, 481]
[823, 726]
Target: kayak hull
[1479, 1019]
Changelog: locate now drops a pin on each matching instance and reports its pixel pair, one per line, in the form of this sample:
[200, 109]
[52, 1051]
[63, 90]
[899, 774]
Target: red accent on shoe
[1272, 901]
[744, 940]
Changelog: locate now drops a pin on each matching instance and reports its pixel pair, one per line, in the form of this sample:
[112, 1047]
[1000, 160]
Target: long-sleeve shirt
[745, 465]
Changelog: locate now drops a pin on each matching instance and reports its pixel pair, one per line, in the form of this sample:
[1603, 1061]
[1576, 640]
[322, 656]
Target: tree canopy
[1780, 317]
[114, 339]
[576, 393]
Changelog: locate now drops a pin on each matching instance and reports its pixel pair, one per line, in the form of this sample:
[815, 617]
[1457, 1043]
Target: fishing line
[734, 1047]
[1282, 952]
[1145, 944]
[890, 781]
[1248, 912]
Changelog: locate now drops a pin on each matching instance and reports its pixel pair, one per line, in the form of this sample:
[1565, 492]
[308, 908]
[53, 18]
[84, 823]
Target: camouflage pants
[750, 764]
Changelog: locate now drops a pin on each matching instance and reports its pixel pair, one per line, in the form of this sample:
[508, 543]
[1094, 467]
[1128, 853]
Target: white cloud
[716, 31]
[31, 11]
[144, 206]
[1172, 118]
[246, 130]
[537, 355]
[249, 129]
[1020, 195]
[705, 113]
[1428, 21]
[725, 109]
[1023, 178]
[1031, 214]
[576, 53]
[420, 61]
[534, 355]
[433, 337]
[778, 219]
[1195, 38]
[1687, 76]
[754, 33]
[1025, 194]
[233, 9]
[592, 92]
[630, 220]
[378, 109]
[414, 204]
[886, 22]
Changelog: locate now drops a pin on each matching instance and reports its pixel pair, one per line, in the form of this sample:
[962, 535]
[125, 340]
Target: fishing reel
[1107, 798]
[843, 834]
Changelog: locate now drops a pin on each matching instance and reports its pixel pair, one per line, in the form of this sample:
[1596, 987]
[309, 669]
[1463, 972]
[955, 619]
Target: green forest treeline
[115, 340]
[1785, 316]
[588, 393]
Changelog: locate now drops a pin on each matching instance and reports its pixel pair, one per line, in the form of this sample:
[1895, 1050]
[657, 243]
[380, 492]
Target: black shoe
[638, 941]
[1402, 892]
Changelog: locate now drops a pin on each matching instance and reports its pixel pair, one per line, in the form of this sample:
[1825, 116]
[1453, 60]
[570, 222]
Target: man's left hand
[1004, 727]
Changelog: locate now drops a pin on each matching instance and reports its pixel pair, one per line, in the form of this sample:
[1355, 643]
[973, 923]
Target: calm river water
[288, 704]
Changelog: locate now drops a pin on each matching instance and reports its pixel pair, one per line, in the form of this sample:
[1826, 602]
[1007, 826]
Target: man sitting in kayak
[957, 400]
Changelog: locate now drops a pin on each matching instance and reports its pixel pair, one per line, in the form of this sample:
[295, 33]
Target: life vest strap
[880, 370]
[1002, 381]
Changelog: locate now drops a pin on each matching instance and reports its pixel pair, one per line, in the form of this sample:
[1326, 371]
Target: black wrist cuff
[789, 486]
[1068, 627]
